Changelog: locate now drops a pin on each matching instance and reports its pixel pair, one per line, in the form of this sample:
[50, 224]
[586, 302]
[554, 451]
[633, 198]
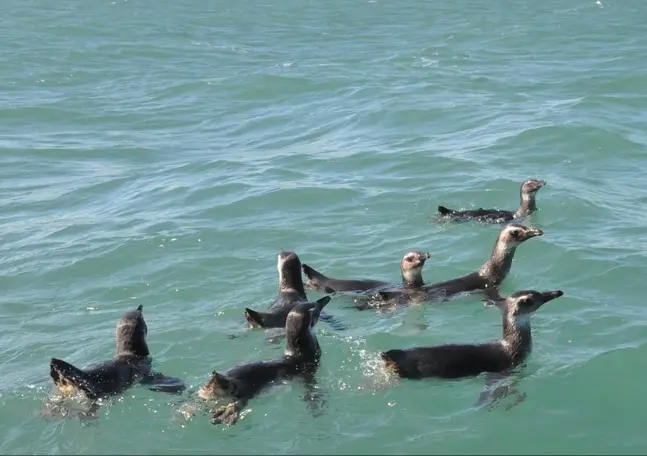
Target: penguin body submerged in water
[243, 382]
[291, 292]
[130, 365]
[410, 268]
[453, 361]
[486, 279]
[527, 206]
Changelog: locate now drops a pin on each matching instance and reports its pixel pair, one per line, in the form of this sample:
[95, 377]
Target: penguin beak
[416, 262]
[535, 185]
[321, 303]
[533, 232]
[316, 312]
[422, 258]
[550, 295]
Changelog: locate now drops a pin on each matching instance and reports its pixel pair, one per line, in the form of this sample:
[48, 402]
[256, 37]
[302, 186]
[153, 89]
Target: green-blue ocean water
[163, 152]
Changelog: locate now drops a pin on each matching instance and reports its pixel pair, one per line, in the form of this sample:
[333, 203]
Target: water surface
[162, 153]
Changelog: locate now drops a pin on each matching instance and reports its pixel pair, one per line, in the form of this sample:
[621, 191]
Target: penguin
[529, 189]
[242, 383]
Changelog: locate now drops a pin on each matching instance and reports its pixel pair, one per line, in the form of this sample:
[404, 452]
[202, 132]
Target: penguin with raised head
[486, 279]
[527, 206]
[131, 364]
[452, 361]
[243, 382]
[410, 268]
[291, 292]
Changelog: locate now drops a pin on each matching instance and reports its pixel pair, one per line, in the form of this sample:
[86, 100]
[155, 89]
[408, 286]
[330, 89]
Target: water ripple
[163, 153]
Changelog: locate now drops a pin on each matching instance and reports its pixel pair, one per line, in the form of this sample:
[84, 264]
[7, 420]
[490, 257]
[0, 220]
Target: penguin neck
[527, 206]
[302, 345]
[138, 349]
[496, 269]
[290, 280]
[131, 340]
[412, 277]
[517, 337]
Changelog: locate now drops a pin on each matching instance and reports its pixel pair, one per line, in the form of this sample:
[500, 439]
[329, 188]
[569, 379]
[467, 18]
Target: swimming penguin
[131, 364]
[487, 278]
[291, 292]
[241, 383]
[454, 361]
[529, 191]
[410, 268]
